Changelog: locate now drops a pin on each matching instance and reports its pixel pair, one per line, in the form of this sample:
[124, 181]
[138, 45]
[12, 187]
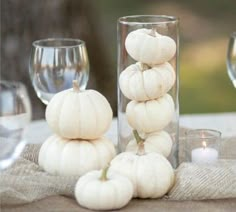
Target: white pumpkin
[151, 173]
[148, 46]
[99, 190]
[150, 116]
[79, 114]
[74, 157]
[140, 82]
[159, 142]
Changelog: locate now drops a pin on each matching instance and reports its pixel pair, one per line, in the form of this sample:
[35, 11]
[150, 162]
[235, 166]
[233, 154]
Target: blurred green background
[205, 29]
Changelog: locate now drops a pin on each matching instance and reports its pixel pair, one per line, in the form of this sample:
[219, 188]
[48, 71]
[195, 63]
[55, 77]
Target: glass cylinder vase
[148, 84]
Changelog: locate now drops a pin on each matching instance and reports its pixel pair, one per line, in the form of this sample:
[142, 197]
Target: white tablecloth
[225, 122]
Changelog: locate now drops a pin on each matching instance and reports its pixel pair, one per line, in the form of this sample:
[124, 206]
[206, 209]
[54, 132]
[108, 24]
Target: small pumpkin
[140, 82]
[77, 114]
[74, 157]
[159, 142]
[103, 190]
[148, 46]
[151, 173]
[150, 116]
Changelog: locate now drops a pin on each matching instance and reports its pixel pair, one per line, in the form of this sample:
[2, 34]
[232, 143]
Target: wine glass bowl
[15, 115]
[55, 63]
[231, 58]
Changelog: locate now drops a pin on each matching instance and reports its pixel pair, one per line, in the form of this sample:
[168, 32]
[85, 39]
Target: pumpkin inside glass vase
[148, 74]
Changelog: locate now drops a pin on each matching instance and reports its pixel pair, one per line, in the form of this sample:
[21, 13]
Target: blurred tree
[25, 21]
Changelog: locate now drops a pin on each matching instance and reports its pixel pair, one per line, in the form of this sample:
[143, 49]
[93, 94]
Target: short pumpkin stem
[137, 137]
[141, 149]
[153, 32]
[76, 86]
[140, 142]
[144, 66]
[103, 176]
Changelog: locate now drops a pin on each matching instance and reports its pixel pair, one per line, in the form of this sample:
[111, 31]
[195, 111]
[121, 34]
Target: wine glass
[231, 58]
[15, 115]
[55, 63]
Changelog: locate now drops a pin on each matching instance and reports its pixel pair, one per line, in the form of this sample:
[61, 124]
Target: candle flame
[204, 144]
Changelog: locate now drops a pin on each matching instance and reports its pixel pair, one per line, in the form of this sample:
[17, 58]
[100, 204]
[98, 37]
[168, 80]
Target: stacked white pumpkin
[79, 119]
[146, 83]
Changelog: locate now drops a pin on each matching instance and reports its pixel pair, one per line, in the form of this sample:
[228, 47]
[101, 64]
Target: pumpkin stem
[153, 32]
[140, 142]
[103, 176]
[144, 66]
[75, 86]
[141, 149]
[137, 137]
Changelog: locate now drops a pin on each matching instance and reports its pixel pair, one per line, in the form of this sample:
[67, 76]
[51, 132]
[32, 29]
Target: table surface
[224, 122]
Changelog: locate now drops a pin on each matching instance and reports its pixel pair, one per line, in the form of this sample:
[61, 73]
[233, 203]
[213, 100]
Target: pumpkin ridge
[61, 156]
[99, 191]
[145, 87]
[135, 107]
[83, 186]
[146, 161]
[127, 74]
[143, 84]
[131, 95]
[159, 86]
[43, 152]
[136, 169]
[95, 112]
[106, 112]
[136, 82]
[143, 46]
[111, 148]
[51, 145]
[95, 144]
[84, 192]
[147, 114]
[59, 117]
[78, 128]
[155, 184]
[115, 191]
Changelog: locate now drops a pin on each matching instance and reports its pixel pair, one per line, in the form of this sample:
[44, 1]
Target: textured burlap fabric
[26, 182]
[199, 182]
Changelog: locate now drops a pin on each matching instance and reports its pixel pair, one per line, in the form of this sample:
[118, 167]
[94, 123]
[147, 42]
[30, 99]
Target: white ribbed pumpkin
[79, 114]
[151, 174]
[140, 82]
[150, 116]
[99, 190]
[148, 46]
[74, 157]
[159, 142]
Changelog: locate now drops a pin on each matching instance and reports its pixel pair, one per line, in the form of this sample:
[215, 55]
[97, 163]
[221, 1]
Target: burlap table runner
[26, 182]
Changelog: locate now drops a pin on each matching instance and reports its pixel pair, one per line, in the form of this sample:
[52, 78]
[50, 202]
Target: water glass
[15, 115]
[231, 58]
[55, 63]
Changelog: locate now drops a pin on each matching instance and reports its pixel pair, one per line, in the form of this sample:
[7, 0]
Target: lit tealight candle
[204, 154]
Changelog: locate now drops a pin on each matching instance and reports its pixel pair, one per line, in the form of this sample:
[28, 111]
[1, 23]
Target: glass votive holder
[202, 146]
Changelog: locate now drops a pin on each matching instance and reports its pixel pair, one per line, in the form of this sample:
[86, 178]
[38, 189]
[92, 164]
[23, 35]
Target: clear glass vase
[148, 84]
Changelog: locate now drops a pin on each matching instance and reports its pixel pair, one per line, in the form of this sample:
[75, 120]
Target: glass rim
[193, 133]
[39, 43]
[166, 19]
[233, 34]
